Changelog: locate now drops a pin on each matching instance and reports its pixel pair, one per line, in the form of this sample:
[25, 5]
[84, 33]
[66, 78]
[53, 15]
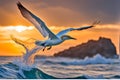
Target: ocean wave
[18, 70]
[12, 71]
[97, 59]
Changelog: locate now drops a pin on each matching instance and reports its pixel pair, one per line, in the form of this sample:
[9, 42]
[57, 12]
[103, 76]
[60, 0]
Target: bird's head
[37, 42]
[66, 37]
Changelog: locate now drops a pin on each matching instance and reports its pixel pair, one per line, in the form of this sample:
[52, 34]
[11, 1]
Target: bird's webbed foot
[49, 48]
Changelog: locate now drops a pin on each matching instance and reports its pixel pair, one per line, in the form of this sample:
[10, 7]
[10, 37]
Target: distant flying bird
[43, 29]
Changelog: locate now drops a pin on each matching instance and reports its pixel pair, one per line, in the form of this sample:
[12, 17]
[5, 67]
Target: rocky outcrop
[103, 46]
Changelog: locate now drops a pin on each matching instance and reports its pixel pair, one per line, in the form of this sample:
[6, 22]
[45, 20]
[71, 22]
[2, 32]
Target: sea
[97, 67]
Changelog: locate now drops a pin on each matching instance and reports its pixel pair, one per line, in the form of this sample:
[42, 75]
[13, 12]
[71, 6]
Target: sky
[58, 15]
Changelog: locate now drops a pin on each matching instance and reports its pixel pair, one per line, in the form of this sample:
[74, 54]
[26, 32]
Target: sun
[22, 28]
[19, 28]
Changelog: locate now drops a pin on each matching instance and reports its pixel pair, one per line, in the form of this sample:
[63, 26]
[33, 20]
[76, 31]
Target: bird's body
[52, 42]
[48, 42]
[44, 30]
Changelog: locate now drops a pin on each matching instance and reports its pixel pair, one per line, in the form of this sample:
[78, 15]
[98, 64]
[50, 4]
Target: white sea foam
[97, 59]
[23, 66]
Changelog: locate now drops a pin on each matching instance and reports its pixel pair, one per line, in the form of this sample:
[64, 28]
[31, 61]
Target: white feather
[38, 23]
[63, 32]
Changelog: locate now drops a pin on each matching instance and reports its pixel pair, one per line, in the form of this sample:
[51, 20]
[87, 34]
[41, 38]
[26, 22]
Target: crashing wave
[11, 71]
[97, 59]
[29, 55]
[18, 70]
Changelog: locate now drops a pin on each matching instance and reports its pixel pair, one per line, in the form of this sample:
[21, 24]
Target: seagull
[52, 39]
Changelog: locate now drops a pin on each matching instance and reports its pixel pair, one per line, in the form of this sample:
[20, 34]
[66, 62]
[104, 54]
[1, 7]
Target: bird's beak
[73, 38]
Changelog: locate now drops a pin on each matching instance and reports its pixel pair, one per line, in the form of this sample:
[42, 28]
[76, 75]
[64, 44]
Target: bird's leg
[44, 48]
[49, 48]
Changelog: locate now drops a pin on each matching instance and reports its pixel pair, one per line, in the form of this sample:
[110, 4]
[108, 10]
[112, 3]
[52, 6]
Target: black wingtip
[22, 9]
[19, 4]
[95, 23]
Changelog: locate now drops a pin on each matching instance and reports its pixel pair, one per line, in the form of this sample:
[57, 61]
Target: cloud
[105, 10]
[59, 13]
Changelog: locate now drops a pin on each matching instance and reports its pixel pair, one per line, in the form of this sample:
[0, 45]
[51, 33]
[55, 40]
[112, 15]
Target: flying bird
[53, 39]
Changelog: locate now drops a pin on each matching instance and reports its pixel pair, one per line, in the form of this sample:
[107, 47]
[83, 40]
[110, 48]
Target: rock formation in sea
[102, 46]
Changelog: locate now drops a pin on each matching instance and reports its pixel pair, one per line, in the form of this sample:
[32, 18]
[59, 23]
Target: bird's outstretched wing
[38, 23]
[63, 32]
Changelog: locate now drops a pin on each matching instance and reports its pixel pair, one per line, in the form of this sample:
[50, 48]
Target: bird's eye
[40, 43]
[37, 42]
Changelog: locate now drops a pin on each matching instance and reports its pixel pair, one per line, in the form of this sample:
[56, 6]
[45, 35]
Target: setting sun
[18, 28]
[22, 28]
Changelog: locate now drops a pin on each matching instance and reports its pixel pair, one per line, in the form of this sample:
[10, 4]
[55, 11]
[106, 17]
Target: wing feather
[63, 32]
[39, 24]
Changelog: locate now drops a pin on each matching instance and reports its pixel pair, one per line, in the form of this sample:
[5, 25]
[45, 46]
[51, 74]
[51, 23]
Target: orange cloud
[10, 48]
